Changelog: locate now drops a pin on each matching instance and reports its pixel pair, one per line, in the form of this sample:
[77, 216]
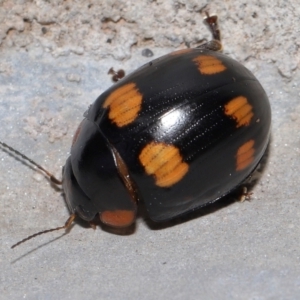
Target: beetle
[180, 132]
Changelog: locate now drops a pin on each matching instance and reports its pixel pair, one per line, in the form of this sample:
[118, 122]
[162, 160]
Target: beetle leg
[93, 224]
[215, 44]
[212, 22]
[245, 195]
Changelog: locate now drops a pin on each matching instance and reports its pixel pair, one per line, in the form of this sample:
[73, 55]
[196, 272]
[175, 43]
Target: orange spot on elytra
[209, 65]
[124, 104]
[240, 110]
[164, 162]
[245, 155]
[117, 218]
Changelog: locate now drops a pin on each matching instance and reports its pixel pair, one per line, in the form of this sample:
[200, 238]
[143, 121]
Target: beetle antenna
[66, 226]
[52, 178]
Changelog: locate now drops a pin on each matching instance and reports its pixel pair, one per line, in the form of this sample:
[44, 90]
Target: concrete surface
[54, 61]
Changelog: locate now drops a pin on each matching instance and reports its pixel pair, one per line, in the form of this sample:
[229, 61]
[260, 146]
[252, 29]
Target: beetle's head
[96, 179]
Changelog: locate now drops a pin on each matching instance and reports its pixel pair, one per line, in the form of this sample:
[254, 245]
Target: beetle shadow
[237, 194]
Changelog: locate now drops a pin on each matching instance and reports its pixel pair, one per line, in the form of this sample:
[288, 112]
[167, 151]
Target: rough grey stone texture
[54, 61]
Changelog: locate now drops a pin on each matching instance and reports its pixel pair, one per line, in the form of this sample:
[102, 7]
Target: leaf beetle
[178, 133]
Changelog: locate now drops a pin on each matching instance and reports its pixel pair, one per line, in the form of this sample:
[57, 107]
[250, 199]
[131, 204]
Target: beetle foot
[213, 45]
[93, 224]
[245, 195]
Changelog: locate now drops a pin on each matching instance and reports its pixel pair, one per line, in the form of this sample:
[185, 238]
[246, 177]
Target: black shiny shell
[190, 127]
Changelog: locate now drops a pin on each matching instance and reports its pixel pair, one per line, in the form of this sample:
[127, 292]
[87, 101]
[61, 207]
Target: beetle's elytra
[178, 133]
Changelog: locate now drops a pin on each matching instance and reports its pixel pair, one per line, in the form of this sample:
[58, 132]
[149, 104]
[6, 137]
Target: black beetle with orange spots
[178, 133]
